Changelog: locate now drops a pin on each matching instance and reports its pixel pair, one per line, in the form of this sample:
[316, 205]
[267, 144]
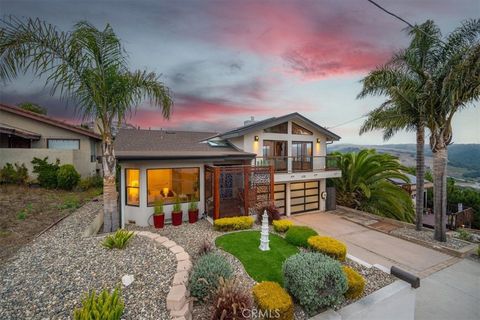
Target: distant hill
[463, 159]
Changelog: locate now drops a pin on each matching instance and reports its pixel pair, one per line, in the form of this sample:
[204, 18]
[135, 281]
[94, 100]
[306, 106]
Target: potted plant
[158, 214]
[177, 213]
[193, 211]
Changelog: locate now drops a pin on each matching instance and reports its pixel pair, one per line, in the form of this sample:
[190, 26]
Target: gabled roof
[48, 120]
[5, 128]
[168, 144]
[270, 122]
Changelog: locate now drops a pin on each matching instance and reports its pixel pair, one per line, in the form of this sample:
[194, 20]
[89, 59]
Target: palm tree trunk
[111, 218]
[419, 201]
[440, 189]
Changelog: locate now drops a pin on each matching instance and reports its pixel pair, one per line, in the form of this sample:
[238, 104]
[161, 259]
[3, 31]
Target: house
[280, 159]
[25, 135]
[411, 187]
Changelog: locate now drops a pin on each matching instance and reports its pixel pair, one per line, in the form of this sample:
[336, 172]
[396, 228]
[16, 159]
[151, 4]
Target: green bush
[315, 280]
[46, 172]
[118, 240]
[464, 235]
[206, 273]
[91, 182]
[14, 174]
[298, 235]
[67, 177]
[106, 305]
[233, 223]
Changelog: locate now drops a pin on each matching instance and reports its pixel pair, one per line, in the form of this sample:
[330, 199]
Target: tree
[89, 66]
[33, 107]
[364, 184]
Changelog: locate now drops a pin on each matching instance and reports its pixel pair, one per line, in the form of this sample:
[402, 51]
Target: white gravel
[49, 277]
[427, 236]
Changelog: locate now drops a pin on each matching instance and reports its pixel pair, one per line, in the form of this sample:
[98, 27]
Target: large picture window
[279, 128]
[168, 184]
[132, 187]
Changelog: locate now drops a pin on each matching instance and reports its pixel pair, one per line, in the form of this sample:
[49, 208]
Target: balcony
[294, 164]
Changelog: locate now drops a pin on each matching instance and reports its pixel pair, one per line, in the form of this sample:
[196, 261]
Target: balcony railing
[298, 163]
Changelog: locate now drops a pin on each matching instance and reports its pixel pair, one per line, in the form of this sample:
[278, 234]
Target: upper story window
[63, 144]
[296, 129]
[279, 128]
[132, 187]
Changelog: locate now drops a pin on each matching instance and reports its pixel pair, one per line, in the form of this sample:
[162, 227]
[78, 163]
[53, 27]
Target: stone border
[178, 299]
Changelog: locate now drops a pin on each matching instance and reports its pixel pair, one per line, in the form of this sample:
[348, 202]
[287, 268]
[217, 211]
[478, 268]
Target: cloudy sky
[228, 60]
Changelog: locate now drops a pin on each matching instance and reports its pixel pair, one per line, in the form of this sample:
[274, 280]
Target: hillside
[464, 159]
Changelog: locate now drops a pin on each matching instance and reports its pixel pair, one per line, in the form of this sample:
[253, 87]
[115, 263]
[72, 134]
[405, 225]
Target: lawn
[260, 265]
[24, 212]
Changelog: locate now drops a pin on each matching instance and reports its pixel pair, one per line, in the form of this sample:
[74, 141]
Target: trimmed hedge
[273, 300]
[298, 235]
[315, 280]
[356, 283]
[329, 246]
[234, 223]
[206, 273]
[67, 177]
[282, 225]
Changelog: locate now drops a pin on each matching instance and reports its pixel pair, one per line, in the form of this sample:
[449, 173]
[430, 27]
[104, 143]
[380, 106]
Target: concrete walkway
[452, 293]
[375, 247]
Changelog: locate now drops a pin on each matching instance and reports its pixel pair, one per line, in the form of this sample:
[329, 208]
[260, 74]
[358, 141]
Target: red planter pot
[177, 218]
[192, 216]
[159, 221]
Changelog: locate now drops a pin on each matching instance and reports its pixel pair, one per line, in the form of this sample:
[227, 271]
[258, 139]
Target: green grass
[260, 265]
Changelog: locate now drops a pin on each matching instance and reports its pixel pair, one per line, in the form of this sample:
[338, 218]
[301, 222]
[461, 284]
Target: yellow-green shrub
[356, 283]
[329, 246]
[273, 300]
[282, 225]
[234, 223]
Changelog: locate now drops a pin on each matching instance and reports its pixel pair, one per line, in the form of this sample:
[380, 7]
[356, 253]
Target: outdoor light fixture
[256, 138]
[318, 140]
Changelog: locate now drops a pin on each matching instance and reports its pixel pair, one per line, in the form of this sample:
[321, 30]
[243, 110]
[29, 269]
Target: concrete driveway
[375, 247]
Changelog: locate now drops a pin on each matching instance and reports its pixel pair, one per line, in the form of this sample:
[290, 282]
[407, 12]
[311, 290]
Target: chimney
[247, 122]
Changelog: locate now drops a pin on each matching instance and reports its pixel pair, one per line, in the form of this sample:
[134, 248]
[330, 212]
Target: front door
[301, 156]
[304, 196]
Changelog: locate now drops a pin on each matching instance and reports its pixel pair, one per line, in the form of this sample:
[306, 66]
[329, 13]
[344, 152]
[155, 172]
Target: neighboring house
[25, 135]
[411, 187]
[281, 160]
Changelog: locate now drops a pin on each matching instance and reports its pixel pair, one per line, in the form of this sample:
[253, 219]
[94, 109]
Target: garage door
[280, 197]
[304, 196]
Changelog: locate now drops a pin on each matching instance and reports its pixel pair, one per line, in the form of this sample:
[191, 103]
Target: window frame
[50, 139]
[127, 187]
[277, 125]
[170, 168]
[301, 134]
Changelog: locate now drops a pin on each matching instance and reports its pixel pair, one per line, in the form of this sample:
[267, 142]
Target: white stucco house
[281, 160]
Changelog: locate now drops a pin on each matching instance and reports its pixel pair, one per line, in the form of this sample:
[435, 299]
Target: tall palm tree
[404, 108]
[453, 85]
[88, 66]
[364, 184]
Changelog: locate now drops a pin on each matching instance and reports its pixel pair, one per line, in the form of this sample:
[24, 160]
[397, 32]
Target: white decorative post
[264, 233]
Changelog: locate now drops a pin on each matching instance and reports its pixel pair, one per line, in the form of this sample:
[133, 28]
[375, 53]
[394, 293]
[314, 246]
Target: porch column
[287, 199]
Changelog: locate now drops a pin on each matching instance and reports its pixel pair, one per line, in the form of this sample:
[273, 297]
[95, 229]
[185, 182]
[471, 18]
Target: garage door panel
[304, 196]
[280, 197]
[310, 192]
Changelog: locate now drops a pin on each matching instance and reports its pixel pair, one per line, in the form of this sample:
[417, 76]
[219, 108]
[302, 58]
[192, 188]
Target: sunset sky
[228, 60]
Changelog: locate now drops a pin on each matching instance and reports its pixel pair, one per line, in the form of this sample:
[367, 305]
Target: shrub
[464, 235]
[205, 247]
[95, 181]
[356, 283]
[329, 246]
[67, 177]
[230, 300]
[234, 223]
[106, 305]
[46, 172]
[273, 300]
[282, 225]
[272, 212]
[298, 235]
[70, 202]
[315, 280]
[14, 174]
[206, 273]
[118, 240]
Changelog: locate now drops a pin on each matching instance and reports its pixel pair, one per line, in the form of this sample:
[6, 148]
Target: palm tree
[404, 108]
[88, 66]
[364, 184]
[453, 84]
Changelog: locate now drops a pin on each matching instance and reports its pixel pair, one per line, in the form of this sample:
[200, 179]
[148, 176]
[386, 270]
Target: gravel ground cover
[191, 237]
[48, 278]
[427, 236]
